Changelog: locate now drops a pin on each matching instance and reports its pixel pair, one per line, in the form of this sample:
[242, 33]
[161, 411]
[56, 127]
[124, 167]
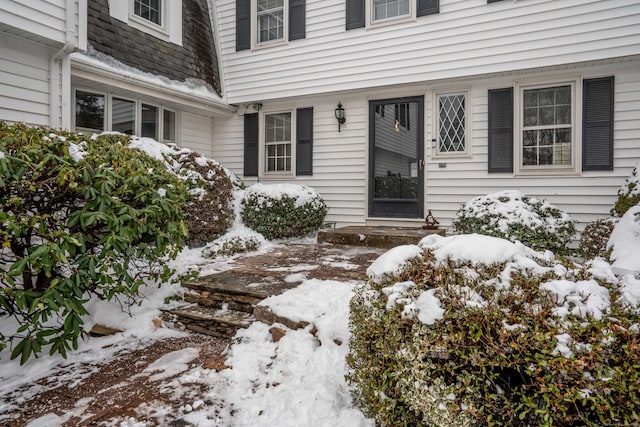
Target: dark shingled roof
[196, 58]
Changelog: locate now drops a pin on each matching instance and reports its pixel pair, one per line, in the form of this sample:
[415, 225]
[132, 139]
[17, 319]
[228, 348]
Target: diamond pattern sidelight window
[452, 123]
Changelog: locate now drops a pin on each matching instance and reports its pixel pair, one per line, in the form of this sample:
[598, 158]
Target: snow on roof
[193, 87]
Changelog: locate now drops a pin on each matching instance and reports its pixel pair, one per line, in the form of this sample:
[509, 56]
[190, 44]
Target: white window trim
[171, 16]
[255, 45]
[437, 154]
[576, 121]
[262, 155]
[388, 21]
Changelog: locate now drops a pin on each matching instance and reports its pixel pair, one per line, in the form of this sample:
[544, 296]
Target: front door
[396, 158]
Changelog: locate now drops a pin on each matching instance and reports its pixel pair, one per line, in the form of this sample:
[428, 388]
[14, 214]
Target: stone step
[240, 291]
[375, 236]
[211, 321]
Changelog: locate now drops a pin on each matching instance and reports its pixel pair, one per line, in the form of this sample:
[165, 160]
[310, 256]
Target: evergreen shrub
[526, 343]
[594, 238]
[513, 216]
[80, 217]
[628, 194]
[283, 210]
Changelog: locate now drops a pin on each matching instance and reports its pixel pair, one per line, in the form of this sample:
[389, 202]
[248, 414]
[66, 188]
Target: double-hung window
[547, 126]
[270, 20]
[452, 123]
[277, 140]
[151, 10]
[390, 9]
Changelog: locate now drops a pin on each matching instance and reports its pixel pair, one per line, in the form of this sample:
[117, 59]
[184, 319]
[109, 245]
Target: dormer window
[151, 10]
[270, 14]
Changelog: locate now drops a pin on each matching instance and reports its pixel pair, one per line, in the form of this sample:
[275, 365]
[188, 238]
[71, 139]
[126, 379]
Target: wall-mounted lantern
[340, 115]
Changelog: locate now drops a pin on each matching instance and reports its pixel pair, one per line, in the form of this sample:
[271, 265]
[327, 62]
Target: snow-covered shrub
[232, 244]
[79, 218]
[283, 210]
[594, 238]
[209, 211]
[628, 194]
[624, 243]
[475, 330]
[513, 216]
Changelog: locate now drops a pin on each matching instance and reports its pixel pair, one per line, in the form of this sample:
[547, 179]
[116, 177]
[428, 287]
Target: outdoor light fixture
[340, 115]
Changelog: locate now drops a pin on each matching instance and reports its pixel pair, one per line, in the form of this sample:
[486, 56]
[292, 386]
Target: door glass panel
[397, 170]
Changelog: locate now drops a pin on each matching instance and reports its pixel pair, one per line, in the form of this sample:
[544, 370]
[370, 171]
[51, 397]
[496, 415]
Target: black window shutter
[355, 14]
[501, 130]
[304, 141]
[243, 24]
[597, 124]
[251, 144]
[428, 7]
[297, 18]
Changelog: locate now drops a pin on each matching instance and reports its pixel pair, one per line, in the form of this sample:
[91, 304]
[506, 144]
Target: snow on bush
[282, 210]
[209, 211]
[477, 330]
[628, 194]
[513, 216]
[624, 242]
[79, 219]
[594, 238]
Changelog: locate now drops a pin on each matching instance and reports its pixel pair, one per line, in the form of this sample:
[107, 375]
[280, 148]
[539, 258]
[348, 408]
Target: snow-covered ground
[296, 381]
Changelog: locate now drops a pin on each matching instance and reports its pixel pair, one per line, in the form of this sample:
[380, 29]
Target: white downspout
[55, 80]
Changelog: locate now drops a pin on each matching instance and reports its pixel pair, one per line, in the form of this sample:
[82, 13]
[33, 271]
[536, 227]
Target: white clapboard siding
[339, 158]
[586, 196]
[35, 19]
[467, 37]
[340, 162]
[24, 81]
[195, 133]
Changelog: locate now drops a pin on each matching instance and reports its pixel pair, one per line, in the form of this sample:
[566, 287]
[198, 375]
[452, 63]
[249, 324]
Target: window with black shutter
[381, 11]
[268, 20]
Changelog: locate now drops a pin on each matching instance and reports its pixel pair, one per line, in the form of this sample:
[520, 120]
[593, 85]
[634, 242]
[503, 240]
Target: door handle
[421, 164]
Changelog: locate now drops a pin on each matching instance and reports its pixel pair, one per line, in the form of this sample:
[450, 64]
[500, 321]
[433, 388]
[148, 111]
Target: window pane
[149, 126]
[123, 116]
[547, 128]
[384, 9]
[148, 9]
[89, 111]
[277, 136]
[169, 127]
[270, 20]
[451, 125]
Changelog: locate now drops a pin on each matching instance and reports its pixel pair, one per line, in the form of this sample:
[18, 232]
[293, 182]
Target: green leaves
[75, 228]
[494, 364]
[283, 217]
